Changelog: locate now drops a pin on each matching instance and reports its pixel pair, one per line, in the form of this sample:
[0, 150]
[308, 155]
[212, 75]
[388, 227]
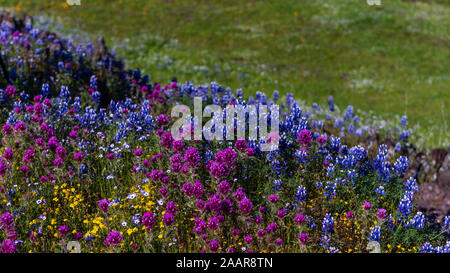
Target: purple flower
[25, 169]
[8, 154]
[281, 213]
[248, 239]
[78, 236]
[73, 135]
[164, 192]
[3, 168]
[53, 142]
[168, 219]
[113, 239]
[192, 157]
[321, 140]
[7, 129]
[110, 156]
[303, 238]
[20, 126]
[235, 232]
[213, 223]
[198, 189]
[61, 152]
[63, 230]
[224, 187]
[78, 157]
[103, 205]
[171, 207]
[166, 140]
[381, 213]
[7, 220]
[250, 152]
[58, 162]
[304, 137]
[199, 226]
[279, 242]
[350, 215]
[213, 245]
[245, 205]
[148, 219]
[178, 145]
[8, 246]
[137, 152]
[271, 227]
[367, 205]
[162, 120]
[273, 198]
[187, 189]
[239, 194]
[217, 169]
[10, 91]
[240, 145]
[300, 218]
[261, 233]
[226, 206]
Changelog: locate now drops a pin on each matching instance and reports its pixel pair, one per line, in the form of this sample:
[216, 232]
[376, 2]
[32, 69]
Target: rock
[444, 180]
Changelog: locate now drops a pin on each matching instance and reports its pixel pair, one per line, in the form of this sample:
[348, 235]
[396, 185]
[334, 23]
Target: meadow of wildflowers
[87, 155]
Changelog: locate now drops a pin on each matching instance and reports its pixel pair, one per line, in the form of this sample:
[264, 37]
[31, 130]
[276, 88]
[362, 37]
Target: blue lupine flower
[45, 90]
[375, 234]
[446, 224]
[417, 222]
[401, 165]
[427, 248]
[328, 224]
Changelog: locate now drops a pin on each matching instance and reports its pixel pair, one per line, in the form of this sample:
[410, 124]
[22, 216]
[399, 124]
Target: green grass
[393, 59]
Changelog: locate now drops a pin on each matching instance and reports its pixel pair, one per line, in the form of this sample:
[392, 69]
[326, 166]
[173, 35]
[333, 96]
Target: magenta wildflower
[240, 145]
[273, 198]
[8, 154]
[171, 207]
[281, 213]
[63, 230]
[168, 219]
[303, 238]
[137, 152]
[58, 162]
[245, 205]
[8, 246]
[166, 140]
[224, 187]
[381, 213]
[113, 239]
[350, 215]
[300, 219]
[213, 245]
[7, 220]
[78, 157]
[103, 205]
[192, 156]
[148, 220]
[10, 91]
[7, 129]
[304, 137]
[261, 233]
[213, 223]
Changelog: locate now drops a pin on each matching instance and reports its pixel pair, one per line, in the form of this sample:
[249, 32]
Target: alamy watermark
[224, 123]
[73, 2]
[373, 2]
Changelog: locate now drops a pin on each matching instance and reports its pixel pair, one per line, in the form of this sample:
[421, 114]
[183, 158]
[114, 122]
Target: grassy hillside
[392, 59]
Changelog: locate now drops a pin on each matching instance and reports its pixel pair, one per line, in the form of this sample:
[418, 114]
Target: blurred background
[388, 60]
